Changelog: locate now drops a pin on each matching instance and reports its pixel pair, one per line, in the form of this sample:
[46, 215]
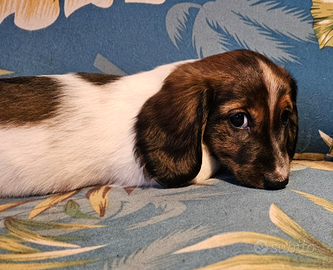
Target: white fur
[282, 165]
[87, 143]
[209, 166]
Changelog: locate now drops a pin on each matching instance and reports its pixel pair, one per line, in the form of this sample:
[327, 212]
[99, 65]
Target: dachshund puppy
[174, 125]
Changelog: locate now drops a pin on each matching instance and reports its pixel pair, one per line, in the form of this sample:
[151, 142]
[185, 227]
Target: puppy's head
[240, 104]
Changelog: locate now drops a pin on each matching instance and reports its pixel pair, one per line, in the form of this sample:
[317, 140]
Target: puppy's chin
[274, 185]
[259, 181]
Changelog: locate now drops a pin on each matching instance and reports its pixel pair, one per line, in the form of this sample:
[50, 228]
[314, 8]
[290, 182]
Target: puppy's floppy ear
[293, 122]
[170, 126]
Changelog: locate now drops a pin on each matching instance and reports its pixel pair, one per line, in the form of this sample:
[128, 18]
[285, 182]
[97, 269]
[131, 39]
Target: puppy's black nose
[271, 184]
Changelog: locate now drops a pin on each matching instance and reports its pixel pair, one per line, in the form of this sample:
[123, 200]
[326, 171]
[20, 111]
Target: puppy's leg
[209, 166]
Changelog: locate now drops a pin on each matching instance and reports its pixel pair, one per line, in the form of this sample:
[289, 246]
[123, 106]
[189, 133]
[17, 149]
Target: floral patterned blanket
[216, 225]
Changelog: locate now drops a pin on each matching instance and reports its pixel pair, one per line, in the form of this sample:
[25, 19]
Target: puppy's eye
[239, 120]
[285, 117]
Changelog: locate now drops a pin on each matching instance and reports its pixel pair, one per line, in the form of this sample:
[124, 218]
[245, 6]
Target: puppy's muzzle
[274, 184]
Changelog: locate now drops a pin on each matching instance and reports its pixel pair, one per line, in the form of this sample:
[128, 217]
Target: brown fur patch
[169, 130]
[98, 79]
[26, 100]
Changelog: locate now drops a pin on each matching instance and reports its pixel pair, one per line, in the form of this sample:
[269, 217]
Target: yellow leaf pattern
[327, 139]
[13, 245]
[30, 236]
[234, 238]
[328, 205]
[99, 199]
[40, 225]
[5, 72]
[309, 156]
[321, 255]
[7, 206]
[48, 203]
[293, 229]
[43, 266]
[264, 262]
[19, 232]
[320, 165]
[22, 232]
[322, 13]
[45, 255]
